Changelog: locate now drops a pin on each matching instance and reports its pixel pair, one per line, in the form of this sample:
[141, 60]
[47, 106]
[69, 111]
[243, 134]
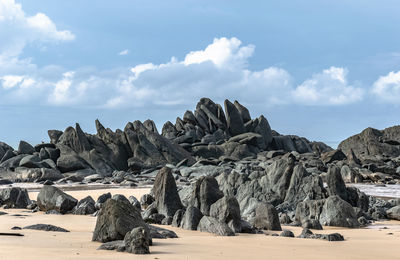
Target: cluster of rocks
[210, 135]
[215, 170]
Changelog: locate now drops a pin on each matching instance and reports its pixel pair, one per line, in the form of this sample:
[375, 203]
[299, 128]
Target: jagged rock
[227, 210]
[115, 219]
[54, 135]
[165, 193]
[7, 155]
[14, 197]
[394, 213]
[336, 185]
[304, 185]
[146, 200]
[52, 198]
[137, 241]
[335, 155]
[212, 225]
[243, 111]
[309, 210]
[234, 119]
[25, 148]
[373, 142]
[205, 193]
[12, 162]
[102, 199]
[337, 212]
[177, 219]
[191, 218]
[135, 202]
[85, 206]
[267, 217]
[46, 227]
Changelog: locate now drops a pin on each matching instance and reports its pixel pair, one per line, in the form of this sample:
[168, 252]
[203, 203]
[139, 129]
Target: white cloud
[124, 52]
[328, 88]
[219, 71]
[387, 88]
[222, 52]
[18, 29]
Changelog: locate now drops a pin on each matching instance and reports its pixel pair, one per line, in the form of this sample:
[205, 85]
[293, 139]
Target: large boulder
[85, 206]
[337, 212]
[14, 198]
[214, 226]
[52, 198]
[137, 241]
[115, 219]
[165, 193]
[267, 217]
[227, 210]
[205, 193]
[25, 148]
[394, 213]
[191, 218]
[309, 210]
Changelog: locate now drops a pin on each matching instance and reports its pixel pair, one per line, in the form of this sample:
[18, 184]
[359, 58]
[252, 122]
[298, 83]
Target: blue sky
[320, 69]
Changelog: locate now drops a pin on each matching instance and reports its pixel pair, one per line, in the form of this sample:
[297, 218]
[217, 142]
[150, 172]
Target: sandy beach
[378, 241]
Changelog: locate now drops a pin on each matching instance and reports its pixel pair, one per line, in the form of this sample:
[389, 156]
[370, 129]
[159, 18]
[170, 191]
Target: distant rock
[14, 197]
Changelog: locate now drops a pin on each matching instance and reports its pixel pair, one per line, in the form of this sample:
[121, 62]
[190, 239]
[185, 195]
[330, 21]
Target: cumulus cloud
[20, 29]
[218, 71]
[387, 88]
[330, 87]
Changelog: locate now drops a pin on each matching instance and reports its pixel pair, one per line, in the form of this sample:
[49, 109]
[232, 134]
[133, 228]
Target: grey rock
[137, 241]
[14, 198]
[166, 196]
[337, 212]
[227, 210]
[234, 119]
[52, 198]
[85, 206]
[205, 193]
[267, 217]
[115, 220]
[46, 227]
[214, 226]
[394, 213]
[286, 233]
[25, 148]
[191, 218]
[177, 219]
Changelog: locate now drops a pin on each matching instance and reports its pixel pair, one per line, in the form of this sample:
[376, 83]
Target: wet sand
[366, 243]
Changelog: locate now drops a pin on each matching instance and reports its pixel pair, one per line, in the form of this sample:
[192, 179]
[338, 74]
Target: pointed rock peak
[234, 119]
[243, 111]
[150, 125]
[99, 126]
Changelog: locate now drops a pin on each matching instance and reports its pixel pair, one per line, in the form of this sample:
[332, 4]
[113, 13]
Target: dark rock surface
[115, 219]
[52, 198]
[167, 200]
[46, 227]
[137, 241]
[212, 225]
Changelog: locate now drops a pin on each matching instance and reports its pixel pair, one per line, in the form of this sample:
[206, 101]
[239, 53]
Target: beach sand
[371, 243]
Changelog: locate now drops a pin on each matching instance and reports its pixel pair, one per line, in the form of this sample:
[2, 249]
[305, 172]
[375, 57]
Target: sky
[324, 70]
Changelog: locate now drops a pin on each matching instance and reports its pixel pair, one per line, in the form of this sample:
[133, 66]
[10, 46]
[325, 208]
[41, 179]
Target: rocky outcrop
[205, 193]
